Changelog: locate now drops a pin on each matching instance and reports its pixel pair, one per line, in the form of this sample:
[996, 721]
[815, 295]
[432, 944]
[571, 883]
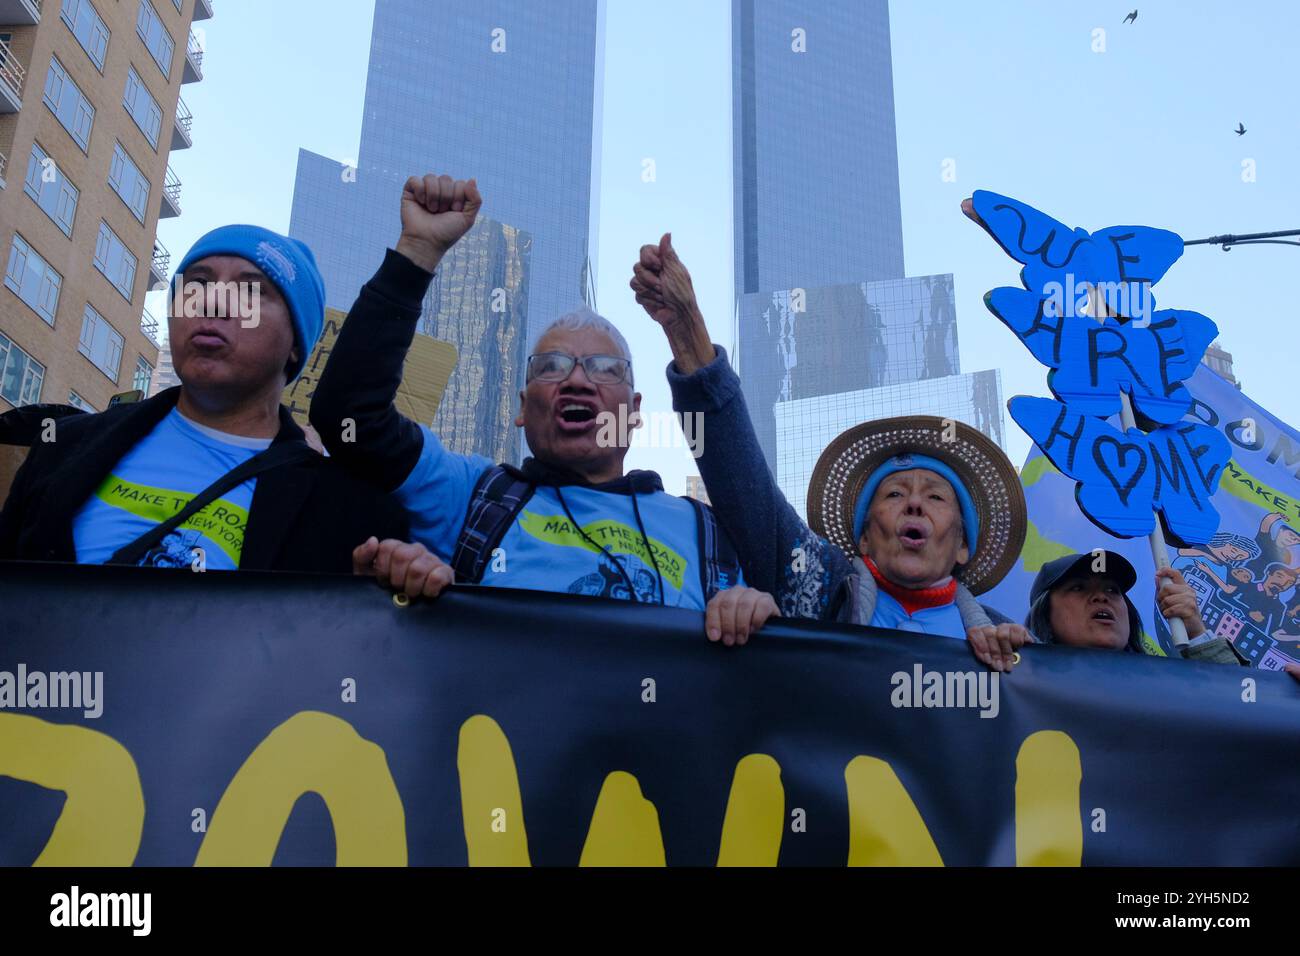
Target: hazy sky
[1010, 90]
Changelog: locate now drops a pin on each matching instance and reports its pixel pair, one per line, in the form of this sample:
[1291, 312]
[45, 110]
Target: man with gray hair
[570, 519]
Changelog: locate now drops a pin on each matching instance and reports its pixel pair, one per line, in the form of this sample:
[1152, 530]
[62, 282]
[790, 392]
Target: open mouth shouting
[574, 416]
[1104, 616]
[914, 535]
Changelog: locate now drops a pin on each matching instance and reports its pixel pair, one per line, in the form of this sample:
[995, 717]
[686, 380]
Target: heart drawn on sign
[1122, 477]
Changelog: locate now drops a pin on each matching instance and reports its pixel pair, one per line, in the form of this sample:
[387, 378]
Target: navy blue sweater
[806, 575]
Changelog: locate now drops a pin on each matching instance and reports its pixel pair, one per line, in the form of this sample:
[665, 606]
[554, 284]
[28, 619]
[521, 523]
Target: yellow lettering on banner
[103, 817]
[1049, 827]
[755, 819]
[489, 782]
[885, 828]
[318, 753]
[624, 827]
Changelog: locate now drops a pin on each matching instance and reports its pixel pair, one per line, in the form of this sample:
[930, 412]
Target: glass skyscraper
[828, 326]
[507, 92]
[802, 343]
[815, 160]
[805, 427]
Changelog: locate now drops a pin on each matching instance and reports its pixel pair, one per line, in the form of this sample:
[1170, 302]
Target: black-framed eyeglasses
[558, 366]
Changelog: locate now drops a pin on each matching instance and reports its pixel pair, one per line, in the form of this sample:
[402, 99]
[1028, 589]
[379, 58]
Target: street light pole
[1253, 238]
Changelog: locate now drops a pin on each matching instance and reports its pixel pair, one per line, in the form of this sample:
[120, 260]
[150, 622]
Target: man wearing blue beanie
[212, 474]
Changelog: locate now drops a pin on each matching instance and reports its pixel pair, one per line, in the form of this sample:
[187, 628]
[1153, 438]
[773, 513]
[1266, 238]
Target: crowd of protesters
[909, 519]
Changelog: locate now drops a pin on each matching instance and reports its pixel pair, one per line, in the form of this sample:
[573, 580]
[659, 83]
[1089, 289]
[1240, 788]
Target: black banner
[163, 717]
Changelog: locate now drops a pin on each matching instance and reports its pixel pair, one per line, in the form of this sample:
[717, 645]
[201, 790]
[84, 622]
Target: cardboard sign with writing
[1123, 476]
[1086, 311]
[429, 365]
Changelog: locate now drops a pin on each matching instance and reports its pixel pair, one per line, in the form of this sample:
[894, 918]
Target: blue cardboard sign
[1123, 262]
[1091, 362]
[1125, 476]
[1087, 312]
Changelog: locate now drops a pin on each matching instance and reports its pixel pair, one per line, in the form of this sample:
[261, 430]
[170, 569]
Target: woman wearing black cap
[1081, 600]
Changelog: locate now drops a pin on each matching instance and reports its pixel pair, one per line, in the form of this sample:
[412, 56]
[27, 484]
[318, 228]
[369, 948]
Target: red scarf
[913, 599]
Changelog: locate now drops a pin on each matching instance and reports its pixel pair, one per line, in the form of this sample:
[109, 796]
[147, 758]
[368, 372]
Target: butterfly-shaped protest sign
[1093, 361]
[1122, 262]
[1124, 477]
[1096, 353]
[1087, 312]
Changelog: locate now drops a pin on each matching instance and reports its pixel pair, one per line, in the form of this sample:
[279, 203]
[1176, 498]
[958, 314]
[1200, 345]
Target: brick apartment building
[90, 110]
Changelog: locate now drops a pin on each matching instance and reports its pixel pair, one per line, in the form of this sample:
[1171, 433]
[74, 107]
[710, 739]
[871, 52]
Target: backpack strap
[719, 563]
[499, 495]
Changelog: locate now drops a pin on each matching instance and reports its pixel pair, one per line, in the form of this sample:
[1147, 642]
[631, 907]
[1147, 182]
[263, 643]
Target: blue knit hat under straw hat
[988, 489]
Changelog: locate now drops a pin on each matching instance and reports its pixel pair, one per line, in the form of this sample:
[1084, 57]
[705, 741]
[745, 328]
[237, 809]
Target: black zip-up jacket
[352, 408]
[305, 516]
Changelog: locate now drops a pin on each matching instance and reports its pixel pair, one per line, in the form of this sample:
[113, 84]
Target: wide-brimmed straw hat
[845, 468]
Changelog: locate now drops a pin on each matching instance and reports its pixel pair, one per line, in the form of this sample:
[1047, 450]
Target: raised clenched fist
[436, 212]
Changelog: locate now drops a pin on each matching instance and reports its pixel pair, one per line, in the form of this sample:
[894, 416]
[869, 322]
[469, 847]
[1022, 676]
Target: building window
[128, 182]
[76, 401]
[51, 190]
[143, 375]
[114, 260]
[85, 23]
[69, 104]
[32, 279]
[155, 36]
[144, 109]
[20, 374]
[100, 342]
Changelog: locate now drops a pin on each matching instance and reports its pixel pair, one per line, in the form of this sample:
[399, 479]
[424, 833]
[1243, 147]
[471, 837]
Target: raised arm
[778, 551]
[352, 408]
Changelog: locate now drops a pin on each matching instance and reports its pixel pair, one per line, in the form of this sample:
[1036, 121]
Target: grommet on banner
[401, 600]
[1016, 656]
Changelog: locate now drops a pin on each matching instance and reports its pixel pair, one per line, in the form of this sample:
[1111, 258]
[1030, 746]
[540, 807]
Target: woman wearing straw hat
[908, 518]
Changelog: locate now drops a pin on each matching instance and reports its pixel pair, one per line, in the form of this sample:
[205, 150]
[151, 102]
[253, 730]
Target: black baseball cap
[1053, 572]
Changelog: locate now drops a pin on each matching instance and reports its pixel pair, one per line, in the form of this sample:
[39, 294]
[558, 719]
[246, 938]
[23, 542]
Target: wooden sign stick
[1159, 550]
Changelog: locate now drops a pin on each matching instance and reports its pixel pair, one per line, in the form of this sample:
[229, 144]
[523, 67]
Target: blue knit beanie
[287, 262]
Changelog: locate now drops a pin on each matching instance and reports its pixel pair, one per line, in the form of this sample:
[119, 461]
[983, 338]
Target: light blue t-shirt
[159, 477]
[943, 621]
[544, 551]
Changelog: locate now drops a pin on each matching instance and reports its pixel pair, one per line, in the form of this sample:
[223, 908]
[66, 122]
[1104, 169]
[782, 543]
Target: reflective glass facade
[815, 159]
[506, 91]
[478, 303]
[805, 427]
[805, 342]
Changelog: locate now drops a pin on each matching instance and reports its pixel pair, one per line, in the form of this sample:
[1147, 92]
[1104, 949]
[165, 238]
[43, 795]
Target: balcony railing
[149, 326]
[193, 61]
[203, 10]
[12, 76]
[182, 138]
[162, 263]
[4, 161]
[171, 194]
[184, 118]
